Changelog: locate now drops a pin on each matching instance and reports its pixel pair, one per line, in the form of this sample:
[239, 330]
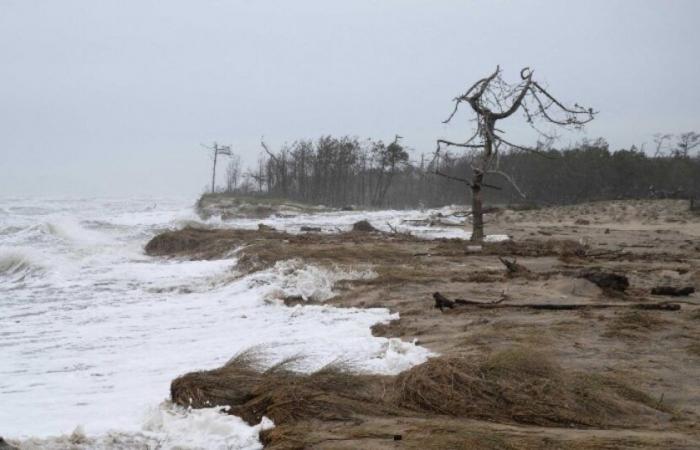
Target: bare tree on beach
[493, 99]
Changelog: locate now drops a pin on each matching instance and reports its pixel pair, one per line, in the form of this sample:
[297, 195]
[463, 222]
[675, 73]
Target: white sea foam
[385, 220]
[166, 426]
[311, 282]
[97, 332]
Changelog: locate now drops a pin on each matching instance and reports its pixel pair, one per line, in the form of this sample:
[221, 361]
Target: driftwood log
[673, 291]
[442, 302]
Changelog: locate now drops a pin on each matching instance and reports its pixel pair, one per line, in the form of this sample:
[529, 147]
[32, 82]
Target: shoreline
[409, 269]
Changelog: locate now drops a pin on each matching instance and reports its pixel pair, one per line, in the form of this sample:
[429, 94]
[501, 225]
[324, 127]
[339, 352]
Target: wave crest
[17, 266]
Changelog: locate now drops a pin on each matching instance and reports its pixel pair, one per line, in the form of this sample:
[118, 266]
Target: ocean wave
[165, 426]
[16, 266]
[294, 277]
[68, 229]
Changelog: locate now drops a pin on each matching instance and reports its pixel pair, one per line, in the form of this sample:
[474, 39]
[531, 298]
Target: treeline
[346, 171]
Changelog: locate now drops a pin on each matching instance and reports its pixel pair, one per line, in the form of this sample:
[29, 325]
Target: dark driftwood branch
[673, 291]
[442, 302]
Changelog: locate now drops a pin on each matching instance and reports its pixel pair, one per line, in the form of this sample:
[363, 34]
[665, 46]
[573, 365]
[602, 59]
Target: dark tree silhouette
[493, 99]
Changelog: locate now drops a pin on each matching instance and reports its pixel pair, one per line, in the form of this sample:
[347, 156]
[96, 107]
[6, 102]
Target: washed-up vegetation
[601, 362]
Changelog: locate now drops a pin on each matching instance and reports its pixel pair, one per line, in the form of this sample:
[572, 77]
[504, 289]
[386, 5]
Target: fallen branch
[673, 291]
[442, 302]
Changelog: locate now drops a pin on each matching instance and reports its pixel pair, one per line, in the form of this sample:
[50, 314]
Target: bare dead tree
[493, 99]
[686, 142]
[659, 141]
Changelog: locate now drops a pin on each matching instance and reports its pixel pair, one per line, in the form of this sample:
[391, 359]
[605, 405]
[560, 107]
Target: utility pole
[218, 150]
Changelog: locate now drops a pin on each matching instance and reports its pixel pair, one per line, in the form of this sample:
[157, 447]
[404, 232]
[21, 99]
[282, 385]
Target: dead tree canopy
[492, 99]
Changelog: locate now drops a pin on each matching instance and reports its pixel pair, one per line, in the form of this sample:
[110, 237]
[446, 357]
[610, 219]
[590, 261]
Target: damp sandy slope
[652, 357]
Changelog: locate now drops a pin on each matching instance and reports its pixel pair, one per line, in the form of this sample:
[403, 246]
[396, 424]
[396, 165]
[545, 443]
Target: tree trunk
[477, 202]
[477, 209]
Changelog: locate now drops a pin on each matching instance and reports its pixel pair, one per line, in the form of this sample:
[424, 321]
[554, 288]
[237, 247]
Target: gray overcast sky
[114, 98]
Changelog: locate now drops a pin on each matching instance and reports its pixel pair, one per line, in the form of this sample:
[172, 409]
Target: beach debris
[607, 280]
[673, 291]
[363, 226]
[513, 267]
[442, 302]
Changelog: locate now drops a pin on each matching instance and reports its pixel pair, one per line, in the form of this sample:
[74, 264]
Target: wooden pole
[213, 171]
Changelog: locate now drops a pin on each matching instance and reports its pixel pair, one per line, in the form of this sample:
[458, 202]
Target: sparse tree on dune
[686, 142]
[493, 99]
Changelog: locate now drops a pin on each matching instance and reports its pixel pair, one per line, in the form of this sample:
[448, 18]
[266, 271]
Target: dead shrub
[519, 385]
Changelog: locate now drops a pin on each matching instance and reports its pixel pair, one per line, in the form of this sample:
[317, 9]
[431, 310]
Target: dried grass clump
[231, 384]
[262, 248]
[633, 323]
[332, 393]
[519, 385]
[200, 242]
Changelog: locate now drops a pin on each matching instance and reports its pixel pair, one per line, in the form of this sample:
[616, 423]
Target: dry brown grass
[631, 324]
[520, 385]
[517, 386]
[280, 393]
[526, 247]
[262, 248]
[693, 348]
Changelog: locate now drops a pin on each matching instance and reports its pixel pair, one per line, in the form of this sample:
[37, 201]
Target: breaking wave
[16, 266]
[166, 426]
[296, 278]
